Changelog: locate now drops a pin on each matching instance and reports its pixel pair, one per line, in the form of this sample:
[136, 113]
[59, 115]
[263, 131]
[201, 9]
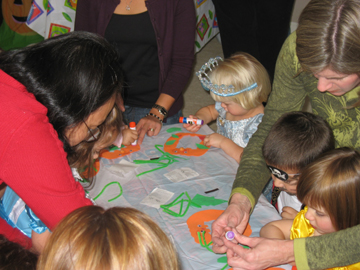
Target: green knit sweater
[289, 91]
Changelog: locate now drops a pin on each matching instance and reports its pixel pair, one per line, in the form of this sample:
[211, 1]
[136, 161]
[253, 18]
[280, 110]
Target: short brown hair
[91, 238]
[333, 183]
[296, 139]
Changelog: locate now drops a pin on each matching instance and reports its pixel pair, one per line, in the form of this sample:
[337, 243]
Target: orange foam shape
[95, 170]
[196, 223]
[171, 148]
[126, 150]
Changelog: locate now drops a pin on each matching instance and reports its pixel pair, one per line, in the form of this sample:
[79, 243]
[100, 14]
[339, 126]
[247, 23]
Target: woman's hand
[235, 218]
[263, 252]
[149, 125]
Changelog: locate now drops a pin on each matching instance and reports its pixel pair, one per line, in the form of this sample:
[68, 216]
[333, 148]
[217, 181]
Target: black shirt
[135, 40]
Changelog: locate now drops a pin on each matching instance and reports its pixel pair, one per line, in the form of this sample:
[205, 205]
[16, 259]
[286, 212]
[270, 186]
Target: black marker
[210, 191]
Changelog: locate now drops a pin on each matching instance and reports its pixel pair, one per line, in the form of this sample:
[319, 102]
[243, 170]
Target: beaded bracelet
[160, 109]
[154, 115]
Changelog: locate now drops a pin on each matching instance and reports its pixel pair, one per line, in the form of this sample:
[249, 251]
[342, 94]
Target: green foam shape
[170, 142]
[174, 129]
[222, 259]
[175, 136]
[201, 146]
[204, 200]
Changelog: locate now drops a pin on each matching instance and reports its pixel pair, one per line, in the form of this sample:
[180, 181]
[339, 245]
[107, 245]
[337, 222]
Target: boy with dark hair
[295, 140]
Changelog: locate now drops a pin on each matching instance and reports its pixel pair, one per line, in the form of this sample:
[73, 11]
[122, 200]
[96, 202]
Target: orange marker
[133, 127]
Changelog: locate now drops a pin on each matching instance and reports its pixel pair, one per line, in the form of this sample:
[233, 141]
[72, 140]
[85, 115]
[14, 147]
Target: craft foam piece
[172, 142]
[119, 152]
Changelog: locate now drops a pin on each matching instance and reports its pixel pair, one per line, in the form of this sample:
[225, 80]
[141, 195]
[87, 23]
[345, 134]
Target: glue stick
[186, 120]
[133, 127]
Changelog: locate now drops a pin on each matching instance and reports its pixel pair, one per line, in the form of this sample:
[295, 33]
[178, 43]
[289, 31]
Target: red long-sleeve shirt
[32, 159]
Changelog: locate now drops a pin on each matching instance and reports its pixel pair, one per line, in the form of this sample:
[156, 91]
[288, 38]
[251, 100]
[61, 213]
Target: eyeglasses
[283, 176]
[92, 133]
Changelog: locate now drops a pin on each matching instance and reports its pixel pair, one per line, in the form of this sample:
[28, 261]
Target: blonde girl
[239, 86]
[91, 238]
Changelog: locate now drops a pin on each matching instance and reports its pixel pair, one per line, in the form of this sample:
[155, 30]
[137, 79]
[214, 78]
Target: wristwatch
[161, 109]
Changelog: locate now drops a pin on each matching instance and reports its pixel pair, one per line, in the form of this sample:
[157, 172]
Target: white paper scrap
[181, 174]
[122, 168]
[157, 197]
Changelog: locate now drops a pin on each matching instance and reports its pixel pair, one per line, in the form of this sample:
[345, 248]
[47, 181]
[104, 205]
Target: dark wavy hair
[72, 75]
[15, 257]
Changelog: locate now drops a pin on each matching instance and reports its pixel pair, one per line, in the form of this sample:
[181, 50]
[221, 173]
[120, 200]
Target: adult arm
[327, 251]
[176, 57]
[321, 252]
[288, 94]
[35, 167]
[181, 52]
[235, 217]
[263, 252]
[147, 123]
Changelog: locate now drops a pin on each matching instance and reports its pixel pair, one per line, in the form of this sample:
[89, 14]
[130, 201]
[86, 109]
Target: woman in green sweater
[320, 61]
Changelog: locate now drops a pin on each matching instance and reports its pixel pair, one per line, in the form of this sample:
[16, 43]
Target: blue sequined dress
[240, 131]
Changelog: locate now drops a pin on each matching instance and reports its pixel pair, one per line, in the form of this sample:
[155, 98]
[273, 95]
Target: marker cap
[229, 235]
[132, 124]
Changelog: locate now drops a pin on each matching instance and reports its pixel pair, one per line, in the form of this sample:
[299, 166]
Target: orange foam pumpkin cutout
[172, 142]
[126, 150]
[196, 223]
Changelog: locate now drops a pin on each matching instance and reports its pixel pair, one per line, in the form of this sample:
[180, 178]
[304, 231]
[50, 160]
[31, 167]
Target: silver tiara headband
[220, 90]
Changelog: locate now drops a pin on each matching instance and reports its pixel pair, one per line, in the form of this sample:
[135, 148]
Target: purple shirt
[174, 22]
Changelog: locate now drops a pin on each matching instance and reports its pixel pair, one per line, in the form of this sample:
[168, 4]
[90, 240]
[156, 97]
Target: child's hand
[214, 140]
[190, 127]
[129, 136]
[288, 212]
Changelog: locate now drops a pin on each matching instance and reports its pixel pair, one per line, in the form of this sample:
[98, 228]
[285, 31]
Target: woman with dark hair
[53, 96]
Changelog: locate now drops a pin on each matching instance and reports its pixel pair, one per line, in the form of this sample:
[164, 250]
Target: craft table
[186, 219]
[51, 18]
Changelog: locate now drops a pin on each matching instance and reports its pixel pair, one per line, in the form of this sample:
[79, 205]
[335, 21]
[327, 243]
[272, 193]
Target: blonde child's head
[91, 238]
[332, 182]
[242, 71]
